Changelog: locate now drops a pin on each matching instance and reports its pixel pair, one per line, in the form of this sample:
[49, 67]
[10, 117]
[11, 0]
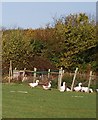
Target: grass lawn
[21, 101]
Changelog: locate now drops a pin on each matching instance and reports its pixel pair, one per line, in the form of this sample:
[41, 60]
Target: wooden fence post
[63, 71]
[48, 73]
[74, 79]
[24, 72]
[10, 72]
[9, 75]
[90, 78]
[60, 78]
[23, 75]
[42, 77]
[35, 69]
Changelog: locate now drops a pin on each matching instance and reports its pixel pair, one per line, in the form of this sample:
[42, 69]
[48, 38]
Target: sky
[38, 14]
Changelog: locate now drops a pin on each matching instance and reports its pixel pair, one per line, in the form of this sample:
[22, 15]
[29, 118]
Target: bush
[54, 83]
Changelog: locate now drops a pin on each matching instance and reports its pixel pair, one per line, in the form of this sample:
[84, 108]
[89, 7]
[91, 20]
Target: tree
[77, 34]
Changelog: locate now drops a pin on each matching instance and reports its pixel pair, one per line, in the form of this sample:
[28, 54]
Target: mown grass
[38, 103]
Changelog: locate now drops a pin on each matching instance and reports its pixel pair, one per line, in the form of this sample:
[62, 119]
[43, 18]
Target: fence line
[59, 74]
[49, 72]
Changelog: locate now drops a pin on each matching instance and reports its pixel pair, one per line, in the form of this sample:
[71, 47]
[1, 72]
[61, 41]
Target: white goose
[47, 87]
[62, 88]
[67, 89]
[85, 89]
[96, 90]
[34, 84]
[78, 88]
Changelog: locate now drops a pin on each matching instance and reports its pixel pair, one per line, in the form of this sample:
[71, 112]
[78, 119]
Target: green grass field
[38, 103]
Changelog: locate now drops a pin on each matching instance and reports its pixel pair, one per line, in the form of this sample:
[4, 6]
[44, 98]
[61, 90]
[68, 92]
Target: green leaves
[78, 35]
[69, 43]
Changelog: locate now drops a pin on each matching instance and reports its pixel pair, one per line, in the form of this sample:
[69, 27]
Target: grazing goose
[34, 84]
[96, 90]
[62, 88]
[47, 87]
[78, 88]
[85, 89]
[67, 89]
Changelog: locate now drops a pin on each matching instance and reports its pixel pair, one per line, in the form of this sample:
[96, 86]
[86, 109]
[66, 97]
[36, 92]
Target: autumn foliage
[70, 42]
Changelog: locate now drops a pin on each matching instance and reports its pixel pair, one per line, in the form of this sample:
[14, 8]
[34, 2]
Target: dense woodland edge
[69, 42]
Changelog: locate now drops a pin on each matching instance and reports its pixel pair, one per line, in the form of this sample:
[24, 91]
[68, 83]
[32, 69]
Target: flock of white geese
[64, 88]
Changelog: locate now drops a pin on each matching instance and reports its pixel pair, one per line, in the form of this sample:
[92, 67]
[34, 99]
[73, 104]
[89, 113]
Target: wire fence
[54, 75]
